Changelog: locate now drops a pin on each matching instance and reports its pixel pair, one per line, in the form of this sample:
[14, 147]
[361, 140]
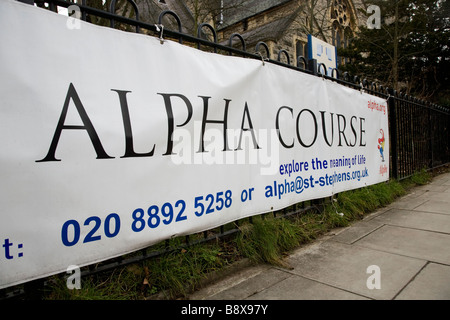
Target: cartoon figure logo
[381, 142]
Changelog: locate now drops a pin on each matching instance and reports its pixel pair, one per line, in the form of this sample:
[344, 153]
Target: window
[340, 13]
[245, 24]
[301, 49]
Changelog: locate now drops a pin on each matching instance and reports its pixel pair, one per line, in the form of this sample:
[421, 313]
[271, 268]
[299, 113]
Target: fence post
[431, 138]
[312, 66]
[393, 132]
[447, 152]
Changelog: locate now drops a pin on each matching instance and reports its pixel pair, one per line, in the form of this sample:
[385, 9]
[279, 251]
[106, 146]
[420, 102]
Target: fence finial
[237, 35]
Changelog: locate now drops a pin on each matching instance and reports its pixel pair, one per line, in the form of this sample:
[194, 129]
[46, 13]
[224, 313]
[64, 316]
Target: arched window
[341, 17]
[336, 32]
[348, 35]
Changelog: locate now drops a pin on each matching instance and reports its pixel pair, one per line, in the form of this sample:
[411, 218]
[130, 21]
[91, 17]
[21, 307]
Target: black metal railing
[419, 131]
[420, 134]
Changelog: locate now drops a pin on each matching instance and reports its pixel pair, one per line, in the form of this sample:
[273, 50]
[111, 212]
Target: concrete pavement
[399, 252]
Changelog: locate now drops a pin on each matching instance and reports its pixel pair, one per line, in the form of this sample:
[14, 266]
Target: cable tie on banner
[361, 88]
[160, 28]
[262, 58]
[333, 201]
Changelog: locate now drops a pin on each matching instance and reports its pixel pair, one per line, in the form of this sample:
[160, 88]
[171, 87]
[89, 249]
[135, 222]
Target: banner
[114, 141]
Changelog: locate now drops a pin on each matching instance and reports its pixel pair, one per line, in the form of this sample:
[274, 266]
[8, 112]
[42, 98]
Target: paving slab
[249, 282]
[421, 244]
[357, 231]
[437, 206]
[432, 283]
[410, 201]
[431, 193]
[415, 219]
[300, 288]
[433, 187]
[443, 179]
[346, 267]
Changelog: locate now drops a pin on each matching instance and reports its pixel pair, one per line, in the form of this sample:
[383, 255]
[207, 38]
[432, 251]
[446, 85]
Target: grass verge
[265, 240]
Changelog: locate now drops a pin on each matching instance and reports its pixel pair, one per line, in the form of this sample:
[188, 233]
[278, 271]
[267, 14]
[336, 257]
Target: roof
[238, 10]
[271, 31]
[151, 9]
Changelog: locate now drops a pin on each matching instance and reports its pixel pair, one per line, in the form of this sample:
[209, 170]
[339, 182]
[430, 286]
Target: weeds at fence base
[420, 178]
[267, 239]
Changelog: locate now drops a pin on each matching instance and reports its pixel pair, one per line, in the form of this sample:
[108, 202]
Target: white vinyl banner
[114, 141]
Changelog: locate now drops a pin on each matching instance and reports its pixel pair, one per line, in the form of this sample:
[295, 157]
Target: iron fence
[419, 130]
[420, 135]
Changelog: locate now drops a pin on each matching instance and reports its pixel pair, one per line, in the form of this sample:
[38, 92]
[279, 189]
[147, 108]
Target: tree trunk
[396, 54]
